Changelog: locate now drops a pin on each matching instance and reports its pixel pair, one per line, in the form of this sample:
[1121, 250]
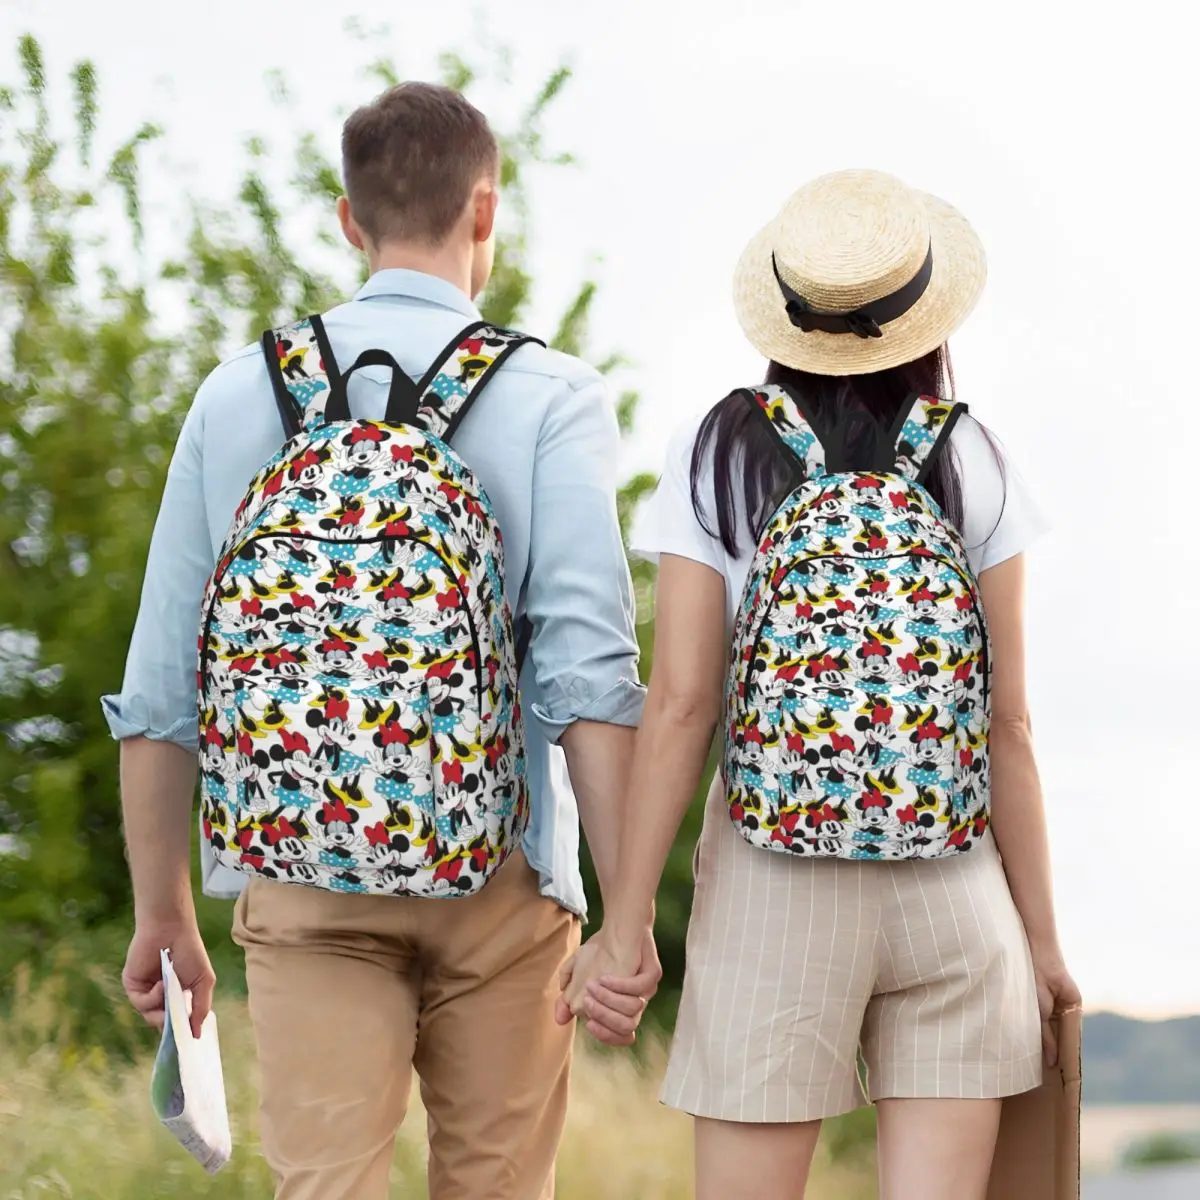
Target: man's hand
[142, 977]
[609, 989]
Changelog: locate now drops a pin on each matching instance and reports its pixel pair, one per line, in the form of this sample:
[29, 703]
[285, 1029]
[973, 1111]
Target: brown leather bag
[1037, 1152]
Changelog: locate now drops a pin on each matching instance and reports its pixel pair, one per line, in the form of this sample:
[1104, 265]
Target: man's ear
[486, 200]
[350, 229]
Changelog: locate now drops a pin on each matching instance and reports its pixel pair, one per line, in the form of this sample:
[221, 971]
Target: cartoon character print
[358, 591]
[874, 664]
[291, 359]
[338, 817]
[253, 763]
[874, 639]
[874, 806]
[869, 492]
[931, 749]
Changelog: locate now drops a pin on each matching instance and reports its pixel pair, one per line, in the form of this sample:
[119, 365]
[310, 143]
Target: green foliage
[850, 1138]
[1163, 1149]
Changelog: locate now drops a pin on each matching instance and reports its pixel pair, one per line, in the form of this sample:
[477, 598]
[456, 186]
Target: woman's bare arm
[683, 707]
[1018, 811]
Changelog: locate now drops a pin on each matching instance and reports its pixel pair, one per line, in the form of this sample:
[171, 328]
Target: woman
[895, 922]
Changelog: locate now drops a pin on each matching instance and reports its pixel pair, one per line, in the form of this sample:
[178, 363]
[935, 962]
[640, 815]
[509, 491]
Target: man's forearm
[157, 783]
[598, 758]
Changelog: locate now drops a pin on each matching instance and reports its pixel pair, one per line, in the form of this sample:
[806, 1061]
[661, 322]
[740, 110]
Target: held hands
[609, 987]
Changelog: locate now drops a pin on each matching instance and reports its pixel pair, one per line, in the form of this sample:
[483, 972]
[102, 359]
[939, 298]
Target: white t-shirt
[1000, 518]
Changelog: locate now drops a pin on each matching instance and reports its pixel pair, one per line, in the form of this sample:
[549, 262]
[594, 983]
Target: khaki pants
[348, 993]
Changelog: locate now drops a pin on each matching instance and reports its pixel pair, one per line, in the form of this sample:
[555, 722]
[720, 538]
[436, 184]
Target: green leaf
[84, 79]
[627, 406]
[385, 71]
[455, 72]
[572, 328]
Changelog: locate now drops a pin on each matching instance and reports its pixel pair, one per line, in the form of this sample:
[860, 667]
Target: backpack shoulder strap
[461, 372]
[921, 432]
[303, 373]
[791, 424]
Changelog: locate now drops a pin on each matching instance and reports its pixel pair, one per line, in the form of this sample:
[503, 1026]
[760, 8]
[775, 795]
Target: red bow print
[336, 810]
[377, 834]
[448, 870]
[392, 734]
[293, 743]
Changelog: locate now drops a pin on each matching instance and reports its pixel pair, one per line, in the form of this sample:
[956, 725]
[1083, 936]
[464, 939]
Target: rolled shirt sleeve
[578, 593]
[158, 694]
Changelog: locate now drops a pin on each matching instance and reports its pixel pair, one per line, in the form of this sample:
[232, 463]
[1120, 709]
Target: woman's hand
[609, 986]
[1056, 992]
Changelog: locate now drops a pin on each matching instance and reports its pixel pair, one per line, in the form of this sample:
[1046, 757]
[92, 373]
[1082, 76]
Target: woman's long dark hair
[854, 413]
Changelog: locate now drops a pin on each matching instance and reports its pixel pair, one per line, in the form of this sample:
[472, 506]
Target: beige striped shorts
[797, 966]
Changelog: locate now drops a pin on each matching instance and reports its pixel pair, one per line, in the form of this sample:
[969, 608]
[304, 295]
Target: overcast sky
[1065, 135]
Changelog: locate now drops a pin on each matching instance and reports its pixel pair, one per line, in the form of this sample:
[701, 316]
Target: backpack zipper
[886, 558]
[386, 537]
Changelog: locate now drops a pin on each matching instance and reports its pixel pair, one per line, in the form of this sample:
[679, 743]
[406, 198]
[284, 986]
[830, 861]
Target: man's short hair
[410, 159]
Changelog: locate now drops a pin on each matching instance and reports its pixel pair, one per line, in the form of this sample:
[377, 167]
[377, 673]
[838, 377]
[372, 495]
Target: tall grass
[75, 1122]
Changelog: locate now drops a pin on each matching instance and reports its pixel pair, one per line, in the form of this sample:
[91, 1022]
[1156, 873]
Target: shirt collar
[397, 281]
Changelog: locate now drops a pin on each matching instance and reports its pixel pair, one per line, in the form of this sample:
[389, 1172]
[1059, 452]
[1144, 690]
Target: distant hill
[1140, 1062]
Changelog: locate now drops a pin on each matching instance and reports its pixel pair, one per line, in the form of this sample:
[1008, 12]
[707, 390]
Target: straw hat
[858, 272]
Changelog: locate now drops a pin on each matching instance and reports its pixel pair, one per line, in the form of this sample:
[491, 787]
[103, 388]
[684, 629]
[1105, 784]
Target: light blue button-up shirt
[542, 439]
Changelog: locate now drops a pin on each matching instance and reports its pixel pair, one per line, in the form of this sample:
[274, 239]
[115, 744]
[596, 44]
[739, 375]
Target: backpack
[360, 727]
[857, 708]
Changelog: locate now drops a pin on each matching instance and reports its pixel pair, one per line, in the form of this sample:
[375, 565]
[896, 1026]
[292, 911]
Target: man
[349, 992]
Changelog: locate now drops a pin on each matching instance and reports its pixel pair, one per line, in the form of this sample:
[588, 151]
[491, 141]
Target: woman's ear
[350, 229]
